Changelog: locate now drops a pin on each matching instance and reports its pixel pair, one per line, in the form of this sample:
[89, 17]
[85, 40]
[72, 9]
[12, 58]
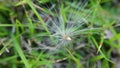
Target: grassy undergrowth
[59, 34]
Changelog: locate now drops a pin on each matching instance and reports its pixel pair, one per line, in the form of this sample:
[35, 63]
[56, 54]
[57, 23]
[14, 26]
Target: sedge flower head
[66, 27]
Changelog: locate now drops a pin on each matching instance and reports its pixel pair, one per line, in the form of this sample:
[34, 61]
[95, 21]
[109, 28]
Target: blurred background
[21, 31]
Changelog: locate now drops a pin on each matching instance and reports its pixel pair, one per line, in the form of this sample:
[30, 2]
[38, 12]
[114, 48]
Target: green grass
[24, 29]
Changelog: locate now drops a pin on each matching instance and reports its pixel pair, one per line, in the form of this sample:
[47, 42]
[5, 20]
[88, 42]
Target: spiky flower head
[66, 26]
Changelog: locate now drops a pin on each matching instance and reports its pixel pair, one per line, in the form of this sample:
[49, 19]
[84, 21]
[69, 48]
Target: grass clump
[56, 34]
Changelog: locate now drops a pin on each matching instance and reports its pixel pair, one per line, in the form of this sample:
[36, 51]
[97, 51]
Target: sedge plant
[67, 23]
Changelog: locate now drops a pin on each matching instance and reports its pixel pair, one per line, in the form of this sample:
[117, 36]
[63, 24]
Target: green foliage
[86, 32]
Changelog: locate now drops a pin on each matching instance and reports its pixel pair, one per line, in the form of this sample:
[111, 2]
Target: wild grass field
[59, 34]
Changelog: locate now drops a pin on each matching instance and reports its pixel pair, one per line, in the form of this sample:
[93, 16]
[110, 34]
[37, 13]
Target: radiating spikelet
[66, 26]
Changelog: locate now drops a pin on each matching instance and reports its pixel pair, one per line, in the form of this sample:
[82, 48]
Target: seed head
[65, 28]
